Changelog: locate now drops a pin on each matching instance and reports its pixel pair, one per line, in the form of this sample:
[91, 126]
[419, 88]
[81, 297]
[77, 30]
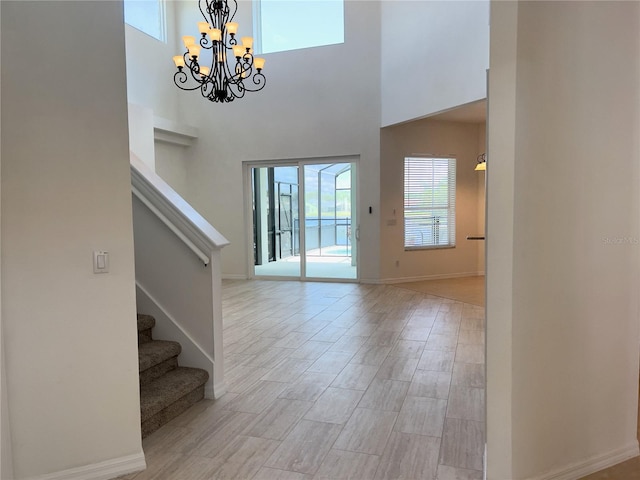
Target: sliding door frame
[247, 167]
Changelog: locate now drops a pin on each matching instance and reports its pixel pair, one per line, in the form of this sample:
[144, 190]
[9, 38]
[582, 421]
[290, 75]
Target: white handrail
[199, 253]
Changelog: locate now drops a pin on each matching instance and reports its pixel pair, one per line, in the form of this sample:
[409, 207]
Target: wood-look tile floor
[463, 289]
[335, 381]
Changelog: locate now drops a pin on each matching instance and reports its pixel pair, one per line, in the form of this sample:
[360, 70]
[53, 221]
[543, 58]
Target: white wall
[6, 454]
[438, 138]
[318, 102]
[434, 56]
[70, 335]
[564, 152]
[172, 166]
[150, 68]
[141, 141]
[181, 288]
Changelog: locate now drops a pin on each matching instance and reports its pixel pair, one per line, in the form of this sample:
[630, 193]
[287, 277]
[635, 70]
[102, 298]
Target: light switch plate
[100, 261]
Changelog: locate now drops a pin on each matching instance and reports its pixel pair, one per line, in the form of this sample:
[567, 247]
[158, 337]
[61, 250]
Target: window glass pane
[343, 203]
[344, 180]
[292, 24]
[429, 202]
[146, 15]
[286, 174]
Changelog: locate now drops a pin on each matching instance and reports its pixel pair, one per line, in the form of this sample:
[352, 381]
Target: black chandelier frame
[220, 83]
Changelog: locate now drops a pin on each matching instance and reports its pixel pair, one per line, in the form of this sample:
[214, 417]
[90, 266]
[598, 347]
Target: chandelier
[228, 71]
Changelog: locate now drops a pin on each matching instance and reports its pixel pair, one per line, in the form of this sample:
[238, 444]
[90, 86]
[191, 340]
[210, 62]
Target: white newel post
[219, 386]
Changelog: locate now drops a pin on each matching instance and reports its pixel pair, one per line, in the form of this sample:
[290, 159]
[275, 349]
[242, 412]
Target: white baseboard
[208, 391]
[234, 276]
[430, 277]
[591, 465]
[214, 391]
[391, 281]
[219, 389]
[100, 471]
[484, 462]
[375, 281]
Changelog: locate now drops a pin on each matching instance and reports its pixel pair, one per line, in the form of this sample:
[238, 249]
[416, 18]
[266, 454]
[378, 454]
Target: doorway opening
[304, 219]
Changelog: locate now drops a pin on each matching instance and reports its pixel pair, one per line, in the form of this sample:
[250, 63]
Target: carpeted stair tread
[145, 325]
[168, 389]
[145, 322]
[151, 374]
[155, 352]
[167, 414]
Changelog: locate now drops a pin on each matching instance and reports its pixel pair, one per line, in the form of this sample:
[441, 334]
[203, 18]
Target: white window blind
[429, 202]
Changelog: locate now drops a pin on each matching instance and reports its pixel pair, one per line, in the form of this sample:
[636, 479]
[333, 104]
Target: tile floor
[464, 289]
[335, 381]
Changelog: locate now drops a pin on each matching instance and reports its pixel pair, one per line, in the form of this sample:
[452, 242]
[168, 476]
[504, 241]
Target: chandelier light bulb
[194, 51]
[203, 27]
[247, 42]
[238, 51]
[215, 34]
[232, 28]
[188, 40]
[179, 61]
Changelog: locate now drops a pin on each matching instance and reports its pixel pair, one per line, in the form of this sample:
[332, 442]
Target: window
[429, 202]
[282, 25]
[147, 16]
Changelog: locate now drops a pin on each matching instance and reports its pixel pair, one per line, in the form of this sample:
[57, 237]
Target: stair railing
[180, 289]
[199, 253]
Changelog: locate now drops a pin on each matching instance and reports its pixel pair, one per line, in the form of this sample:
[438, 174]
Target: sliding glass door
[329, 216]
[304, 220]
[276, 221]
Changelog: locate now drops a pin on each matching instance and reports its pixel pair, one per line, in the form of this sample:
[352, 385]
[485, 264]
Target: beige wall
[436, 138]
[562, 363]
[69, 335]
[6, 454]
[500, 224]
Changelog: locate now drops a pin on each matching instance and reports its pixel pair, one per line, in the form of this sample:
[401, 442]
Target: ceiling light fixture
[216, 79]
[482, 162]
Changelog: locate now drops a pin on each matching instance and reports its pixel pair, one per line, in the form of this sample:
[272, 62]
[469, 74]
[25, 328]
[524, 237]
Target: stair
[166, 389]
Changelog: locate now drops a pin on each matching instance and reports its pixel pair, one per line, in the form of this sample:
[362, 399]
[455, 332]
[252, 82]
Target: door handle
[358, 233]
